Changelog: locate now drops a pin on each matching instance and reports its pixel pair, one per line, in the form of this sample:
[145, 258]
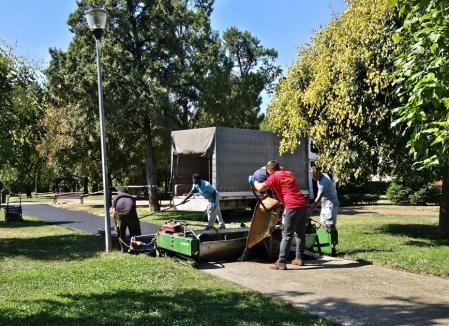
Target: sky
[31, 27]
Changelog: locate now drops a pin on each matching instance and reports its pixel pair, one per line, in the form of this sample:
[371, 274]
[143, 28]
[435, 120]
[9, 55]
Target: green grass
[410, 243]
[53, 276]
[232, 220]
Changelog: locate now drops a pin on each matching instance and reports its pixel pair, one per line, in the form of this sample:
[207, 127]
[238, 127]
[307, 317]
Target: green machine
[178, 240]
[326, 239]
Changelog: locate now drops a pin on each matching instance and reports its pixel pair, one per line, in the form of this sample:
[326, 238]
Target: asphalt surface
[79, 221]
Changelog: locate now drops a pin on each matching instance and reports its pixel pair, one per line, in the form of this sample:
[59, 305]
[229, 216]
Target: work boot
[298, 262]
[278, 265]
[223, 226]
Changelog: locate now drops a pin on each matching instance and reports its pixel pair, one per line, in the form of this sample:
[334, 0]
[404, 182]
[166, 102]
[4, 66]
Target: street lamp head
[96, 19]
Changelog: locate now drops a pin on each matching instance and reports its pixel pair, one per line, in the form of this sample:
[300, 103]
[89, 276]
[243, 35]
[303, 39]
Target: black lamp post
[96, 18]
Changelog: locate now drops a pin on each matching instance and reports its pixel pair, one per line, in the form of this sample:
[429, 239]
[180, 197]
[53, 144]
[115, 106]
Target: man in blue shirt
[205, 189]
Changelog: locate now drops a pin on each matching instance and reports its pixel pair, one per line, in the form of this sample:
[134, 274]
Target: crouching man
[125, 216]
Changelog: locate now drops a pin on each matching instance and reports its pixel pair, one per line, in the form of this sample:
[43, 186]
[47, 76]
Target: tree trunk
[35, 183]
[444, 205]
[28, 191]
[85, 185]
[150, 168]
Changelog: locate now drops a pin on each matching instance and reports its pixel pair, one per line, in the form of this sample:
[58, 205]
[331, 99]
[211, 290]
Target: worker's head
[315, 173]
[124, 190]
[196, 178]
[272, 166]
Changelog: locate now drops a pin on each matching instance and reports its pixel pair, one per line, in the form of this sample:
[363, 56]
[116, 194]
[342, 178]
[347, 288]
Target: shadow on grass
[169, 307]
[52, 248]
[27, 223]
[215, 307]
[175, 215]
[416, 231]
[363, 251]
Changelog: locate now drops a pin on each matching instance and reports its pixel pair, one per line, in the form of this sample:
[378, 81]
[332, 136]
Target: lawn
[232, 219]
[407, 243]
[51, 275]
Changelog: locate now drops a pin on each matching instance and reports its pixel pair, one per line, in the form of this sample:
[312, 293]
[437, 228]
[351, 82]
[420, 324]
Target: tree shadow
[178, 215]
[389, 311]
[25, 223]
[161, 307]
[52, 248]
[28, 223]
[362, 250]
[416, 231]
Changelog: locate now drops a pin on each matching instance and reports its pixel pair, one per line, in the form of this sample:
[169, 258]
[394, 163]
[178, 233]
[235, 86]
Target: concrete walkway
[79, 221]
[348, 291]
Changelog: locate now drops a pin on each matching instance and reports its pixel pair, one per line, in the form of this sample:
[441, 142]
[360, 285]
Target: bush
[368, 187]
[371, 198]
[428, 194]
[357, 198]
[398, 194]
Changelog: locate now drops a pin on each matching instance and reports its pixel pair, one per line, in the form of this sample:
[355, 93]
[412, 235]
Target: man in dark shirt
[125, 216]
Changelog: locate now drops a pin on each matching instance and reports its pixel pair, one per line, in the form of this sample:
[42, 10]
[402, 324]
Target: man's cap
[260, 175]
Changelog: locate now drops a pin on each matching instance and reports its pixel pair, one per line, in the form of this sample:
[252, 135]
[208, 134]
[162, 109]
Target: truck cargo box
[225, 157]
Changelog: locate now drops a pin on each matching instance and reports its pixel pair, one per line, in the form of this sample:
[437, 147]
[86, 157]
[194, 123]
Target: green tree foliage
[21, 101]
[164, 69]
[232, 93]
[423, 85]
[339, 92]
[155, 57]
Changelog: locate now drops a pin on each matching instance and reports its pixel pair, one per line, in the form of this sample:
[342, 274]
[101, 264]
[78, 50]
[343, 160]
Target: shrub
[357, 198]
[371, 198]
[398, 194]
[428, 194]
[367, 187]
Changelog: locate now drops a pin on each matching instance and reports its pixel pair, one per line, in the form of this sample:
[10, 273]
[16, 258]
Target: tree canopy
[339, 91]
[422, 79]
[164, 69]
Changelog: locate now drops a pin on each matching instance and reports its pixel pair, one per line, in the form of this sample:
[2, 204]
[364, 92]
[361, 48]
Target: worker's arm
[188, 196]
[259, 186]
[317, 200]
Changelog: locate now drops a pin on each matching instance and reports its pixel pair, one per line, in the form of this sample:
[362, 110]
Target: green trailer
[179, 241]
[193, 246]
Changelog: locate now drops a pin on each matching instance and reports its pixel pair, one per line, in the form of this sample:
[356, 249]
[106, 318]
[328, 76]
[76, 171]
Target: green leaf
[439, 139]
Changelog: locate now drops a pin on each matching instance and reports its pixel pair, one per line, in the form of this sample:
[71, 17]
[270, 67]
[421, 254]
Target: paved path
[80, 221]
[347, 291]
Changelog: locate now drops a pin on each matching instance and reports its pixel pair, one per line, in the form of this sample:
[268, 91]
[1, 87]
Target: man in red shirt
[295, 211]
